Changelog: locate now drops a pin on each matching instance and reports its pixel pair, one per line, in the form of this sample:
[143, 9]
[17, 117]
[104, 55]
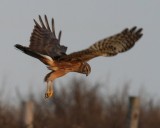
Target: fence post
[27, 114]
[133, 112]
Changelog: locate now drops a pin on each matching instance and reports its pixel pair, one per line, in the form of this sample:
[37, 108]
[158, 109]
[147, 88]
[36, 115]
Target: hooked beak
[87, 74]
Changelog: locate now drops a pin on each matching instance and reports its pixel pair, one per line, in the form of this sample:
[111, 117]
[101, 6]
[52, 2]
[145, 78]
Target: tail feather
[45, 59]
[28, 51]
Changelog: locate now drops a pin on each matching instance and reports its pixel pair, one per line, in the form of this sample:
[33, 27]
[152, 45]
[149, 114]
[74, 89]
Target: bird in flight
[45, 46]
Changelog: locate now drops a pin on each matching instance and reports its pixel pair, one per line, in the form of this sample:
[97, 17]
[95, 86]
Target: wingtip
[35, 21]
[132, 30]
[52, 20]
[45, 15]
[139, 30]
[59, 36]
[125, 30]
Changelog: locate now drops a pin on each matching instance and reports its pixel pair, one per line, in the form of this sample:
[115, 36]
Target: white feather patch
[48, 57]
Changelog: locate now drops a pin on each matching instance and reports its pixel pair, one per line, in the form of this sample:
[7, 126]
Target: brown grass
[81, 106]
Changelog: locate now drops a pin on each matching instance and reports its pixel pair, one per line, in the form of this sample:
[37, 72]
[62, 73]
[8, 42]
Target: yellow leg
[49, 91]
[50, 78]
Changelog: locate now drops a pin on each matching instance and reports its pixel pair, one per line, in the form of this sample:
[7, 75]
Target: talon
[49, 91]
[48, 94]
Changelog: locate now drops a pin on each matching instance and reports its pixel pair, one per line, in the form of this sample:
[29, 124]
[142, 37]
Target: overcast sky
[82, 23]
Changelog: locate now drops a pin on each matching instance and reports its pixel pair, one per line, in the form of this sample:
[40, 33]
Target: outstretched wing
[110, 46]
[43, 40]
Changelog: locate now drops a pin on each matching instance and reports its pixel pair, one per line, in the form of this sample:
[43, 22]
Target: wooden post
[133, 112]
[27, 114]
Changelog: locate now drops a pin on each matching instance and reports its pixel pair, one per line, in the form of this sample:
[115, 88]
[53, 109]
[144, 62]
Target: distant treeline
[81, 105]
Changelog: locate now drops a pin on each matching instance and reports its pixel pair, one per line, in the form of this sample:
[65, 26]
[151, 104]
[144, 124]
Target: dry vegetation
[81, 106]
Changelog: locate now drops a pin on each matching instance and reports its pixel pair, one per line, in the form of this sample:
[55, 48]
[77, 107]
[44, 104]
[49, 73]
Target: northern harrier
[45, 46]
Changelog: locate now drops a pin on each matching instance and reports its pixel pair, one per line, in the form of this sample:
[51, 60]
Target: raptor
[45, 46]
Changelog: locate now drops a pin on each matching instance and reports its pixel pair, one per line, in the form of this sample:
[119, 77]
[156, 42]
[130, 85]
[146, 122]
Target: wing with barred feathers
[110, 46]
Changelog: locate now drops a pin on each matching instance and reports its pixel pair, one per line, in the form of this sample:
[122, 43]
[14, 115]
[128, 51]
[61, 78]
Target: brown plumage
[43, 40]
[46, 47]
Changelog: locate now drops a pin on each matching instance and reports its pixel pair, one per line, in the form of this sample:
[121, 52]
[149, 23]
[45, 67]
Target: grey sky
[82, 23]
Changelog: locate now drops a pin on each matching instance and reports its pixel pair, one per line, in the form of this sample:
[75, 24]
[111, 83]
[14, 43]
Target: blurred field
[81, 105]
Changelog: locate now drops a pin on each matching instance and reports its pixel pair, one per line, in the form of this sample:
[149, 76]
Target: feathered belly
[66, 66]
